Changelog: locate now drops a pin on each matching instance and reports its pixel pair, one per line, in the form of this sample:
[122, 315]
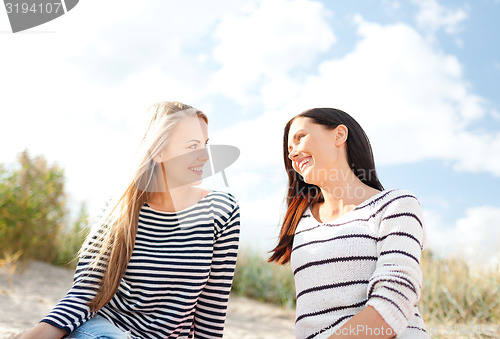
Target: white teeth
[197, 169]
[303, 164]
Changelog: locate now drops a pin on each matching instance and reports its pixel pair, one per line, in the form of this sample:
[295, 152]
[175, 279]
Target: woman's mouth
[197, 170]
[302, 164]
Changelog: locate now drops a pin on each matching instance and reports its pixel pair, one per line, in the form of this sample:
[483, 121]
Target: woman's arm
[44, 331]
[368, 323]
[395, 286]
[72, 310]
[210, 311]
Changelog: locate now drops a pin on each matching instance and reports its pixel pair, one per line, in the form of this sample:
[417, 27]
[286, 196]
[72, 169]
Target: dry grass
[257, 279]
[456, 301]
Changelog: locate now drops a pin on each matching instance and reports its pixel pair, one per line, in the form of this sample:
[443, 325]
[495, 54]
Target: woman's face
[186, 153]
[316, 152]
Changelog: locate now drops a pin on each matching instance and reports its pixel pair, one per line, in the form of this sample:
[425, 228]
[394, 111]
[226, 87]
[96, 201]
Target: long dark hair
[301, 194]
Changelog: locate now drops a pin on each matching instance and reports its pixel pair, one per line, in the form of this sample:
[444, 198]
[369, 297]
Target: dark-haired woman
[354, 247]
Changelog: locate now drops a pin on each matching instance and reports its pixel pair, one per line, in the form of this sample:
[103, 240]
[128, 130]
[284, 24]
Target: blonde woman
[354, 247]
[160, 262]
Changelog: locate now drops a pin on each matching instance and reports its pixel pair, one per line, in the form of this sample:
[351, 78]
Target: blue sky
[421, 77]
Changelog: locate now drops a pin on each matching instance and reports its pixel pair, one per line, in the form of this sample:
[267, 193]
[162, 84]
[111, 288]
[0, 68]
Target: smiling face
[316, 152]
[186, 153]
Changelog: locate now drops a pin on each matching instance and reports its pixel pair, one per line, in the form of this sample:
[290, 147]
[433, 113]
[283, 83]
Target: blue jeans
[98, 327]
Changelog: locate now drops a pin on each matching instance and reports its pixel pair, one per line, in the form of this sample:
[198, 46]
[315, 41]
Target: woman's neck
[175, 199]
[342, 195]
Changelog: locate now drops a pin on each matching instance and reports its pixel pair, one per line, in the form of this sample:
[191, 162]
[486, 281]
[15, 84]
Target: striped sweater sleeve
[72, 311]
[210, 312]
[395, 286]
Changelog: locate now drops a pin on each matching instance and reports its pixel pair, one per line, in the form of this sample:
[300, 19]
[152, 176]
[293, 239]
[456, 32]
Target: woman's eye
[192, 147]
[301, 136]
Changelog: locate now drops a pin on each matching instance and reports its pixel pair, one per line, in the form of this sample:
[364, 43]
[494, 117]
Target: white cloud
[479, 236]
[392, 5]
[260, 222]
[432, 16]
[81, 98]
[277, 37]
[168, 35]
[477, 152]
[441, 236]
[474, 238]
[495, 114]
[52, 108]
[79, 95]
[276, 93]
[411, 99]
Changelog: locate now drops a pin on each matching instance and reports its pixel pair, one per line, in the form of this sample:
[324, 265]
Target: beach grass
[452, 292]
[255, 278]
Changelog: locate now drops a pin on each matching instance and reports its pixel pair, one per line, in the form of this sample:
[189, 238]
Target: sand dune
[29, 294]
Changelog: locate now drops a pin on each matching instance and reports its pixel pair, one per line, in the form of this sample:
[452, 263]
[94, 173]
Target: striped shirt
[368, 256]
[178, 280]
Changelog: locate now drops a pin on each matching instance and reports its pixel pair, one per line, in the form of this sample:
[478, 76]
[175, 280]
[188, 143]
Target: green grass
[257, 279]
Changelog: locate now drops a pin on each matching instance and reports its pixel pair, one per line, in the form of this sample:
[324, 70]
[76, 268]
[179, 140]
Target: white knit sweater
[368, 256]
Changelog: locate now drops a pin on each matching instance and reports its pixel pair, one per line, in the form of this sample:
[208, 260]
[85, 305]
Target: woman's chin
[309, 179]
[196, 183]
[306, 177]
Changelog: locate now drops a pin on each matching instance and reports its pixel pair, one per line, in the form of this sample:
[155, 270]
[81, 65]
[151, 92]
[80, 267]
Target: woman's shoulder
[400, 212]
[402, 194]
[391, 195]
[223, 198]
[226, 210]
[395, 201]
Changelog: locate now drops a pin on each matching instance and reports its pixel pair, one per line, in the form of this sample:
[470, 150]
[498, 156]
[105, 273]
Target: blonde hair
[109, 247]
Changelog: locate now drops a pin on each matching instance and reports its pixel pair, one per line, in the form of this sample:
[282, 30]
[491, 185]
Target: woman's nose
[293, 154]
[203, 154]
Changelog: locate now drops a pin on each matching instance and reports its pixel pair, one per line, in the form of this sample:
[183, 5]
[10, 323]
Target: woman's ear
[341, 133]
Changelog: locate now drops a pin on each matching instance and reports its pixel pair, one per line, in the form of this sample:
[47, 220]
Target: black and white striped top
[368, 256]
[178, 280]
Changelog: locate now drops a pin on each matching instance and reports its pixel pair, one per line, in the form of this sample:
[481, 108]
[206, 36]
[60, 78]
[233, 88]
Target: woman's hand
[44, 331]
[368, 323]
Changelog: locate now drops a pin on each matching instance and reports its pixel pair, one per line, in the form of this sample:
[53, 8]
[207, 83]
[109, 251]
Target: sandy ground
[27, 296]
